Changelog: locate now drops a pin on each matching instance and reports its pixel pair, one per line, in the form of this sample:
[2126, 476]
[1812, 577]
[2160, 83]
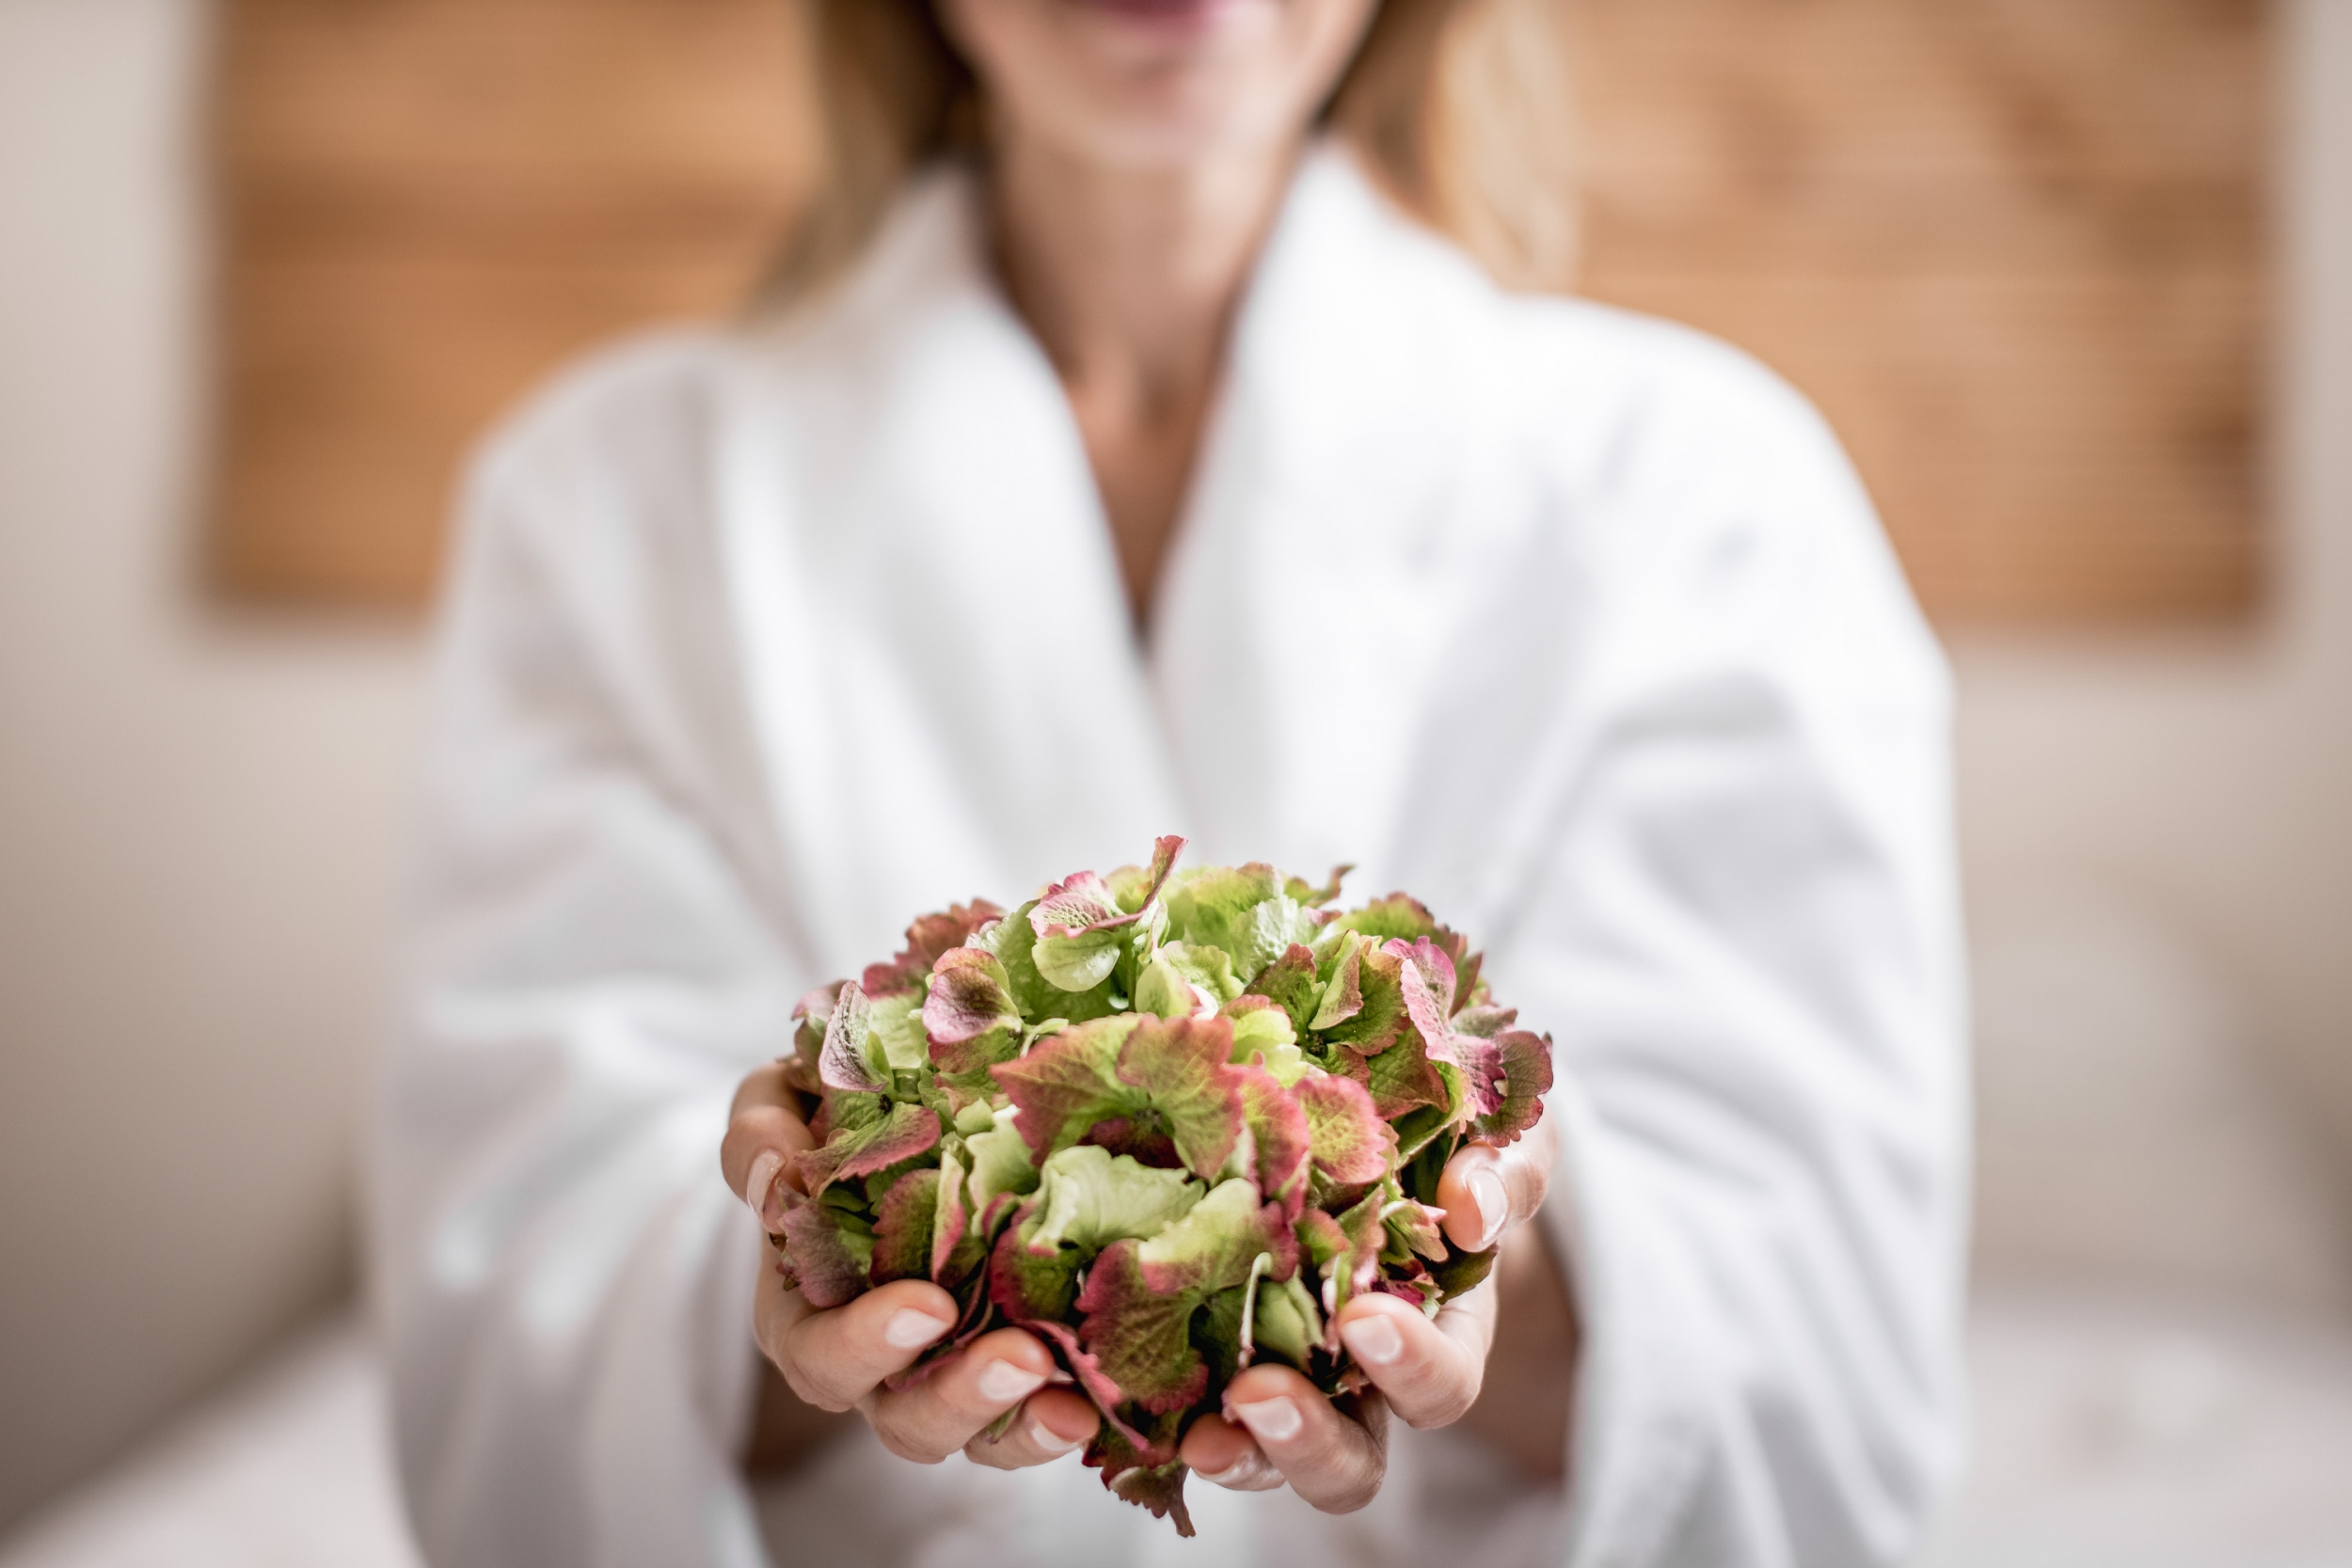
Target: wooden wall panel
[428, 204]
[2013, 247]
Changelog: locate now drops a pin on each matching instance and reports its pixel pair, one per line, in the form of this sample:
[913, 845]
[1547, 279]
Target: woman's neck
[1130, 281]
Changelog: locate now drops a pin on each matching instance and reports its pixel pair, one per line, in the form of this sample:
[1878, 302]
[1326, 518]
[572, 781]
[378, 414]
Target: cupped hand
[838, 1360]
[1333, 1453]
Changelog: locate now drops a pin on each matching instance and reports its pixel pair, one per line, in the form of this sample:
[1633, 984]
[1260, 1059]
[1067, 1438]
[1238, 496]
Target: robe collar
[961, 643]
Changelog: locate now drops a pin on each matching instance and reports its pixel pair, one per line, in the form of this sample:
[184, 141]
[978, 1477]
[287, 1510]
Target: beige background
[195, 815]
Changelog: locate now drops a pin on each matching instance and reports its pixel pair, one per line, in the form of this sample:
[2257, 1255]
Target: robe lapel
[1321, 571]
[941, 667]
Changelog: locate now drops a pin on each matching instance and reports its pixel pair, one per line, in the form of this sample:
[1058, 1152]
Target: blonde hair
[1459, 109]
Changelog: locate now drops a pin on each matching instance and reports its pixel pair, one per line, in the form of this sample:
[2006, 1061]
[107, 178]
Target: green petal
[1092, 1199]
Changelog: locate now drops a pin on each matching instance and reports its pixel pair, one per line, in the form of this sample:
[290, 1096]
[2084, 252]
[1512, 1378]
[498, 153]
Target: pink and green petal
[1086, 1370]
[1350, 1142]
[1134, 888]
[1344, 994]
[1290, 983]
[906, 1132]
[904, 1228]
[1264, 1036]
[811, 1013]
[1181, 1069]
[1315, 897]
[1351, 1271]
[969, 1017]
[1159, 1488]
[1379, 1016]
[830, 1252]
[970, 996]
[1280, 1139]
[930, 938]
[1013, 941]
[1518, 1076]
[1413, 1231]
[1069, 1082]
[1140, 1296]
[1426, 980]
[844, 1063]
[1401, 1079]
[1075, 907]
[1141, 1335]
[1028, 1286]
[954, 1250]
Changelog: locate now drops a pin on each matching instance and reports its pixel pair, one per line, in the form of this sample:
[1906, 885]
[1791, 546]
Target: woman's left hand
[1334, 1452]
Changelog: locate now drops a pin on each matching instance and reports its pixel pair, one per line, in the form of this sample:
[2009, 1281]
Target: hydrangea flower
[1170, 1121]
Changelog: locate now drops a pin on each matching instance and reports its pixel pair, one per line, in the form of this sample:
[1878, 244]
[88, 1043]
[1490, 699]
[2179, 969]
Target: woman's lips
[1161, 13]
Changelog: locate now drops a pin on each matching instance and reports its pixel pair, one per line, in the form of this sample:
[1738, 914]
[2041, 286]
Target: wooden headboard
[2013, 247]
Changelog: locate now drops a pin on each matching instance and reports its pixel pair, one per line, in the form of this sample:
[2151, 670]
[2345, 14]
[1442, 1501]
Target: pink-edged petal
[1415, 1226]
[903, 1228]
[951, 1228]
[1427, 981]
[828, 1253]
[1350, 1142]
[1183, 1068]
[1069, 1082]
[1074, 907]
[1380, 1015]
[931, 936]
[1028, 1286]
[1280, 1139]
[1515, 1070]
[1290, 982]
[843, 1064]
[1142, 1336]
[1086, 1368]
[906, 1131]
[969, 996]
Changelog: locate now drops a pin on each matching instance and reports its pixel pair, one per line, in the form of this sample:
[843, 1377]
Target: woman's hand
[836, 1360]
[1429, 1372]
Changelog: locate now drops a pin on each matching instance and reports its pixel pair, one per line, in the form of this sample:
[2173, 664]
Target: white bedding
[2112, 1431]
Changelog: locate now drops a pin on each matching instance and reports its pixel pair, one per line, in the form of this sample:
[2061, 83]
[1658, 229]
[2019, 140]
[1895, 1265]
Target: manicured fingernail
[1248, 1473]
[1494, 1205]
[760, 1190]
[1274, 1420]
[1001, 1381]
[1049, 1441]
[908, 1329]
[1373, 1340]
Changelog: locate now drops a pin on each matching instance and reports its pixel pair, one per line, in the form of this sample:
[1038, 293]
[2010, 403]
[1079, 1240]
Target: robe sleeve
[563, 1275]
[1744, 934]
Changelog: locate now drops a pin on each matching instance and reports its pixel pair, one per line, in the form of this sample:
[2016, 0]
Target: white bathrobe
[1573, 624]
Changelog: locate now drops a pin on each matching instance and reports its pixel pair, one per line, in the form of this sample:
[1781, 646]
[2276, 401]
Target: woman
[1141, 438]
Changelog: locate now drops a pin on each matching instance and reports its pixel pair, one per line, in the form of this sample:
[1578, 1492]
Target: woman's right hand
[836, 1360]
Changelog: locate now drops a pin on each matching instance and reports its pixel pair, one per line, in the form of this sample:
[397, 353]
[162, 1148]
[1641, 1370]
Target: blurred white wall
[2159, 839]
[196, 810]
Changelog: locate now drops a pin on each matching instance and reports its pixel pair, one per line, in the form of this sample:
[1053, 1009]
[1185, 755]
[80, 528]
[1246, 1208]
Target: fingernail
[908, 1329]
[761, 1186]
[1274, 1420]
[1248, 1473]
[1049, 1441]
[1001, 1381]
[1373, 1340]
[1494, 1204]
